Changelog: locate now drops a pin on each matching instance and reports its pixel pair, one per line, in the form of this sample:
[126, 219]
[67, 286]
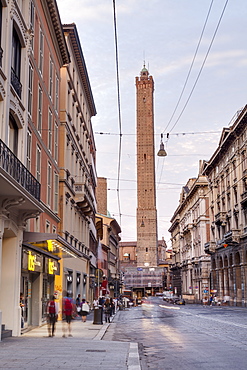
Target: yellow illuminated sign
[31, 260]
[50, 245]
[51, 267]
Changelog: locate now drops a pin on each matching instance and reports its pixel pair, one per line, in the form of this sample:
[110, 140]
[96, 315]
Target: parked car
[158, 294]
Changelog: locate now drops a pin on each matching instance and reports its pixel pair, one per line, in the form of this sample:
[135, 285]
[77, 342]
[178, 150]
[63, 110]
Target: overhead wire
[175, 133]
[191, 66]
[199, 73]
[202, 66]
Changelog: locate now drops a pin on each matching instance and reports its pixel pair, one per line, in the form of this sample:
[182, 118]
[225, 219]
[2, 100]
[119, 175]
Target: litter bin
[98, 316]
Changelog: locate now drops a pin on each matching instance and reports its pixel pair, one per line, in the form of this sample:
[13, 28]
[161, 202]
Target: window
[30, 89]
[244, 161]
[222, 184]
[38, 164]
[50, 131]
[234, 170]
[49, 184]
[236, 220]
[16, 63]
[47, 226]
[32, 21]
[41, 50]
[227, 179]
[56, 142]
[56, 93]
[51, 79]
[56, 186]
[13, 135]
[40, 103]
[235, 194]
[29, 143]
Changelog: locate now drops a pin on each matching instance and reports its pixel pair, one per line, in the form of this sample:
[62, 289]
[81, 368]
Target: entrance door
[26, 289]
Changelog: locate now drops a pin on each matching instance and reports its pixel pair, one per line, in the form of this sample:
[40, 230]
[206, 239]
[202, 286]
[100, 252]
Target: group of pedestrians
[70, 309]
[82, 308]
[108, 305]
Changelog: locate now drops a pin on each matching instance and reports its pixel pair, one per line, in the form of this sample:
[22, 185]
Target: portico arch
[237, 268]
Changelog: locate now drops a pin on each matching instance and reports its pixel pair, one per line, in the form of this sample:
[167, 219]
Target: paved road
[184, 337]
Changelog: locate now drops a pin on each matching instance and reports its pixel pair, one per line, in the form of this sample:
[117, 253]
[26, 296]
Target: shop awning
[52, 243]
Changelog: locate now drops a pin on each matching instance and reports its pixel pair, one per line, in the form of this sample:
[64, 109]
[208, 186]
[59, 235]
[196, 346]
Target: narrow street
[184, 337]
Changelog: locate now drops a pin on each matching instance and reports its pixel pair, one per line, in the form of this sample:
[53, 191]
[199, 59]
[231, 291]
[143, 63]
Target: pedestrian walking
[107, 310]
[52, 313]
[101, 301]
[22, 305]
[67, 315]
[95, 303]
[112, 306]
[84, 310]
[78, 300]
[211, 300]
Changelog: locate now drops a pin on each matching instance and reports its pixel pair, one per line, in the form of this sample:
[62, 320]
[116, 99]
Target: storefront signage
[52, 268]
[34, 264]
[50, 246]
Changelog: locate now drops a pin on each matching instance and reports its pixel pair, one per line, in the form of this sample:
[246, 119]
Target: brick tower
[147, 238]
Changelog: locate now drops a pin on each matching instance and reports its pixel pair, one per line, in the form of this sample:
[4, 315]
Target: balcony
[195, 260]
[11, 165]
[210, 247]
[15, 82]
[1, 56]
[232, 236]
[244, 199]
[20, 191]
[84, 199]
[220, 217]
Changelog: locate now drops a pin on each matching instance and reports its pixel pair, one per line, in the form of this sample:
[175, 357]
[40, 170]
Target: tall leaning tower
[147, 238]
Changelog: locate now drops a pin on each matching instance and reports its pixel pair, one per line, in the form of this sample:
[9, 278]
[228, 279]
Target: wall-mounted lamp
[142, 223]
[162, 152]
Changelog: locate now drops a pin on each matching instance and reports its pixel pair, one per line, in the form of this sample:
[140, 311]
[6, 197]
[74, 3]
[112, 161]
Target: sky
[199, 87]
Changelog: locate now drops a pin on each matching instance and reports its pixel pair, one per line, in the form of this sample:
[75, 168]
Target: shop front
[50, 265]
[39, 268]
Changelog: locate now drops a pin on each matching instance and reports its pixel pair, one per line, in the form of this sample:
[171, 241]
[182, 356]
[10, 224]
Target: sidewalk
[86, 350]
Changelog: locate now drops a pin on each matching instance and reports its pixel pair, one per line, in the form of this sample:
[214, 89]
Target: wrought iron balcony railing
[16, 83]
[1, 56]
[13, 166]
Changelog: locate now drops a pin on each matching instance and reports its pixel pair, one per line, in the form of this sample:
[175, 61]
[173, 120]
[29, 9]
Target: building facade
[132, 277]
[108, 250]
[42, 248]
[31, 31]
[227, 245]
[77, 179]
[189, 232]
[47, 169]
